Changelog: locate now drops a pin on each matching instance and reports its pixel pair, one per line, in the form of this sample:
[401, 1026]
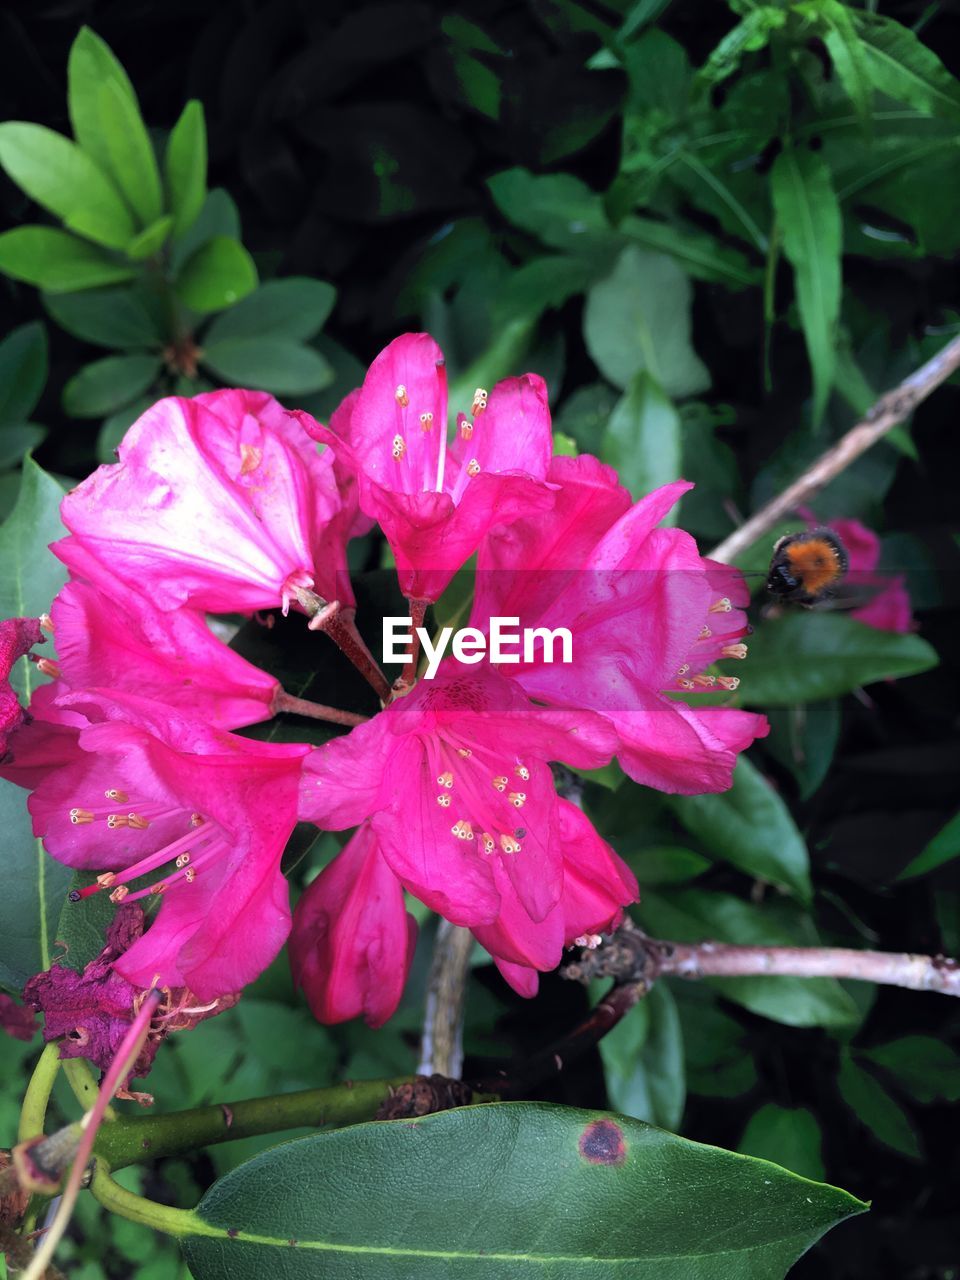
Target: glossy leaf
[150, 240]
[809, 218]
[702, 256]
[220, 273]
[295, 308]
[185, 166]
[904, 68]
[133, 164]
[57, 261]
[23, 371]
[642, 439]
[60, 176]
[127, 319]
[526, 1189]
[789, 1136]
[849, 56]
[105, 385]
[924, 1067]
[271, 364]
[643, 1061]
[638, 318]
[875, 1109]
[16, 440]
[808, 656]
[557, 208]
[218, 216]
[803, 739]
[750, 827]
[944, 847]
[114, 427]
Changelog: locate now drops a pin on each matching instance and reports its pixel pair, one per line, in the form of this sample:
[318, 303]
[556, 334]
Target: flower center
[419, 446]
[481, 791]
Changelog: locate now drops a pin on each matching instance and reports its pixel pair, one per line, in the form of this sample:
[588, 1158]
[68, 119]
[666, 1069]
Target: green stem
[148, 1213]
[132, 1139]
[33, 1113]
[84, 1085]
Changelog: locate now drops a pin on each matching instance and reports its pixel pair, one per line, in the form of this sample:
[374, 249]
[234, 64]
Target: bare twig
[890, 409]
[316, 710]
[441, 1050]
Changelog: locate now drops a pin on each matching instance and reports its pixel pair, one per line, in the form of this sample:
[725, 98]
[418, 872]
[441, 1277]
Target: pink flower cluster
[224, 504]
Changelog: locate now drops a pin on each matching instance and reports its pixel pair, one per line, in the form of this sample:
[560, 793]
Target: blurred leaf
[667, 864]
[16, 439]
[557, 208]
[703, 256]
[23, 371]
[295, 307]
[271, 364]
[218, 216]
[903, 68]
[564, 446]
[55, 172]
[691, 915]
[749, 36]
[117, 318]
[642, 439]
[643, 1061]
[638, 318]
[789, 1137]
[804, 739]
[808, 656]
[750, 827]
[114, 427]
[217, 275]
[583, 415]
[105, 385]
[809, 219]
[719, 1063]
[646, 1198]
[923, 1066]
[944, 847]
[54, 260]
[875, 1109]
[150, 240]
[185, 167]
[848, 56]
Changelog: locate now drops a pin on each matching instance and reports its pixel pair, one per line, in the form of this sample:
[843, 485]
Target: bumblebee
[807, 567]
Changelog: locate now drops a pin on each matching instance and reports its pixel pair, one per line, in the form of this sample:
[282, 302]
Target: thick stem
[342, 630]
[148, 1213]
[418, 611]
[34, 1110]
[889, 410]
[441, 1048]
[316, 710]
[133, 1139]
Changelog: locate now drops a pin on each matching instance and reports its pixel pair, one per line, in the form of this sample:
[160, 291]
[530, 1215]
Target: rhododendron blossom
[17, 638]
[435, 502]
[648, 616]
[889, 609]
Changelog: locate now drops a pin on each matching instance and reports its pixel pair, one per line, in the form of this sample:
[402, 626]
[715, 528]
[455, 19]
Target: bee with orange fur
[806, 567]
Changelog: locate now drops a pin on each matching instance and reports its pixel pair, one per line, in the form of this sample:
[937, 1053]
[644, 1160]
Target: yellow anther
[705, 682]
[443, 800]
[190, 875]
[509, 845]
[426, 422]
[106, 879]
[183, 860]
[119, 797]
[445, 780]
[488, 842]
[46, 623]
[500, 782]
[160, 887]
[517, 798]
[473, 467]
[401, 394]
[465, 752]
[686, 684]
[119, 893]
[462, 830]
[733, 651]
[399, 448]
[729, 682]
[138, 822]
[250, 458]
[196, 820]
[523, 772]
[466, 430]
[80, 817]
[721, 606]
[117, 820]
[479, 401]
[705, 633]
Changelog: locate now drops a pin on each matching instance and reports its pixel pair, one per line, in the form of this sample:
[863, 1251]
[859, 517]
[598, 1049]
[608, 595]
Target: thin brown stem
[316, 710]
[890, 409]
[441, 1049]
[342, 630]
[418, 611]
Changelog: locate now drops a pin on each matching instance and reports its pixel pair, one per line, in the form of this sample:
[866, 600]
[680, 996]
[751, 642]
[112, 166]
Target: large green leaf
[643, 1061]
[516, 1189]
[293, 308]
[807, 656]
[642, 439]
[272, 364]
[557, 208]
[217, 275]
[23, 371]
[848, 55]
[116, 318]
[106, 385]
[789, 1136]
[702, 256]
[750, 827]
[875, 1109]
[60, 176]
[639, 318]
[57, 261]
[809, 218]
[35, 886]
[185, 165]
[902, 67]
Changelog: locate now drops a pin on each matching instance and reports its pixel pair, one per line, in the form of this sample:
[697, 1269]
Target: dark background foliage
[357, 141]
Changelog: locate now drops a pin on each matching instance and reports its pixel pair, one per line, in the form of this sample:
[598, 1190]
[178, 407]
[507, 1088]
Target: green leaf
[944, 847]
[294, 308]
[91, 65]
[54, 260]
[643, 1061]
[31, 900]
[788, 1136]
[875, 1109]
[903, 68]
[105, 385]
[808, 215]
[702, 256]
[749, 36]
[218, 216]
[114, 427]
[55, 172]
[638, 318]
[924, 1067]
[127, 319]
[849, 57]
[185, 166]
[642, 439]
[272, 364]
[132, 162]
[691, 915]
[750, 827]
[220, 273]
[519, 1189]
[23, 371]
[150, 240]
[667, 864]
[16, 440]
[557, 208]
[803, 739]
[807, 656]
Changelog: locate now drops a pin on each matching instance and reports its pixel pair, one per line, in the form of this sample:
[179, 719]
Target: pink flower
[155, 787]
[435, 502]
[647, 616]
[46, 740]
[218, 502]
[123, 642]
[890, 608]
[352, 940]
[17, 638]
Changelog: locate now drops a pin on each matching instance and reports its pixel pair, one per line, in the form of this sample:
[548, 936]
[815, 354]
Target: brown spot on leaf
[233, 1232]
[602, 1143]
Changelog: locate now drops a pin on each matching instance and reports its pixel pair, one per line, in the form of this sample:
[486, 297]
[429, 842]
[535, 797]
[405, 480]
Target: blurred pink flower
[647, 615]
[889, 609]
[219, 502]
[154, 788]
[17, 638]
[435, 502]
